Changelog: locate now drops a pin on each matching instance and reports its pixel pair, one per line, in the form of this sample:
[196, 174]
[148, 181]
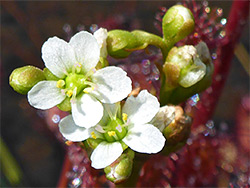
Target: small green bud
[183, 67]
[121, 169]
[177, 23]
[121, 43]
[49, 75]
[24, 78]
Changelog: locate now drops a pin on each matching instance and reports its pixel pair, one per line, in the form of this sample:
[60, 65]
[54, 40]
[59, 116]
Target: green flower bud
[121, 43]
[183, 67]
[121, 169]
[178, 131]
[49, 75]
[24, 78]
[174, 94]
[177, 23]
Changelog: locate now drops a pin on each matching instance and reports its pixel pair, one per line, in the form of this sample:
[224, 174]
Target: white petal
[45, 95]
[101, 36]
[105, 154]
[86, 111]
[145, 139]
[112, 84]
[58, 56]
[141, 109]
[86, 49]
[71, 131]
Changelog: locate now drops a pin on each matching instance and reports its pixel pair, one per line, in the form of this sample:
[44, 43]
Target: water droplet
[222, 34]
[210, 124]
[75, 168]
[207, 10]
[56, 118]
[219, 11]
[174, 156]
[189, 141]
[214, 55]
[67, 28]
[93, 28]
[145, 63]
[80, 27]
[135, 68]
[205, 3]
[223, 21]
[196, 35]
[76, 182]
[194, 99]
[206, 133]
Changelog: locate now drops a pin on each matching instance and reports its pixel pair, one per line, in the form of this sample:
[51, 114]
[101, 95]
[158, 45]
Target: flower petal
[145, 139]
[86, 49]
[101, 36]
[71, 131]
[45, 95]
[112, 84]
[105, 154]
[141, 109]
[58, 56]
[86, 111]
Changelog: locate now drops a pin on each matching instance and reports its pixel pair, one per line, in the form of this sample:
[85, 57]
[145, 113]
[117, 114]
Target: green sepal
[24, 78]
[93, 143]
[65, 105]
[49, 75]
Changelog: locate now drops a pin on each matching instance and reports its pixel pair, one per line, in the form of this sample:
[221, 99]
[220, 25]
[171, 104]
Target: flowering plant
[106, 116]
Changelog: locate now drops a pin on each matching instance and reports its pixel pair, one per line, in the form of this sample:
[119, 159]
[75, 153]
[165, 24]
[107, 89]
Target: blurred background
[25, 25]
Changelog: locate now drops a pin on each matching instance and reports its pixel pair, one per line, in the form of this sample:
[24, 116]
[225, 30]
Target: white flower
[133, 130]
[73, 63]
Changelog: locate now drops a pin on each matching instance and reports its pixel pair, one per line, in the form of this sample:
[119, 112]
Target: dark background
[25, 25]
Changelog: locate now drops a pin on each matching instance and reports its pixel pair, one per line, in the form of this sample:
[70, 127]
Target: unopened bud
[179, 129]
[120, 170]
[177, 23]
[24, 78]
[164, 117]
[121, 43]
[183, 67]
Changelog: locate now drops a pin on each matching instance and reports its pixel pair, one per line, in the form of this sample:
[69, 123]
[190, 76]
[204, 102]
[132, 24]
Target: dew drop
[174, 157]
[67, 28]
[189, 141]
[206, 133]
[194, 99]
[223, 21]
[135, 68]
[214, 55]
[145, 63]
[205, 3]
[196, 35]
[76, 182]
[219, 11]
[80, 27]
[207, 10]
[93, 28]
[222, 34]
[56, 118]
[210, 124]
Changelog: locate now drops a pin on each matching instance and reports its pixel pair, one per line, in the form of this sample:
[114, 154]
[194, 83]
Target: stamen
[68, 143]
[60, 83]
[90, 72]
[100, 129]
[93, 135]
[119, 128]
[78, 67]
[111, 133]
[88, 89]
[69, 93]
[124, 117]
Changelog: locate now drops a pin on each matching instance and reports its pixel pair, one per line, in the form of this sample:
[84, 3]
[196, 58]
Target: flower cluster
[104, 114]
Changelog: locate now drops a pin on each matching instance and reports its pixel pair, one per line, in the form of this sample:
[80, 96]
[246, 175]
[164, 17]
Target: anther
[124, 117]
[111, 133]
[60, 83]
[93, 135]
[69, 93]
